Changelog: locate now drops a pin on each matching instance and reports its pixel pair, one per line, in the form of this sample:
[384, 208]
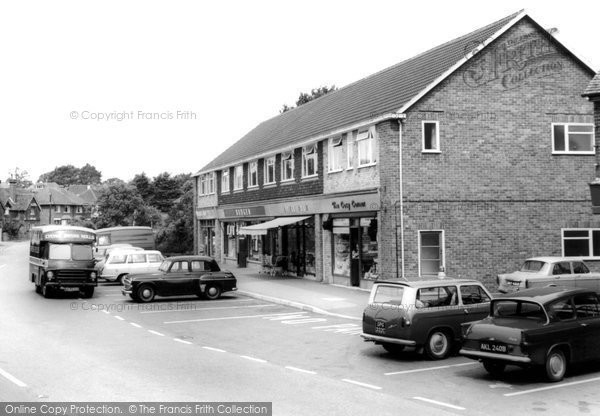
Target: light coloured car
[568, 272]
[123, 262]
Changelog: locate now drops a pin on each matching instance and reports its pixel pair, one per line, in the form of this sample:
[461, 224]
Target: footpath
[305, 294]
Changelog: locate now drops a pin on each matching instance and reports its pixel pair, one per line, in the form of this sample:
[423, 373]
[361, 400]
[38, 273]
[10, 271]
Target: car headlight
[93, 275]
[49, 275]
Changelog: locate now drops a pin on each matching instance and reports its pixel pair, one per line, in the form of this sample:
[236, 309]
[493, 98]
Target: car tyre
[393, 348]
[121, 278]
[556, 365]
[212, 292]
[145, 293]
[438, 345]
[494, 368]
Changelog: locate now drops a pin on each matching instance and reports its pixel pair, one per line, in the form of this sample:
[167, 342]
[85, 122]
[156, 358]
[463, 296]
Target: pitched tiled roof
[384, 92]
[593, 88]
[85, 192]
[60, 196]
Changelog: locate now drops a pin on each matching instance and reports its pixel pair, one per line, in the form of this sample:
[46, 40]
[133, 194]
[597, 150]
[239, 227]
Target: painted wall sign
[206, 213]
[244, 212]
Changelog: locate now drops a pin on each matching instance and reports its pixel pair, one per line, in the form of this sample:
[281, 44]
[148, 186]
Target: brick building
[464, 159]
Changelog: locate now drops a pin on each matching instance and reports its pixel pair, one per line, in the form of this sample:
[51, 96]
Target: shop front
[206, 239]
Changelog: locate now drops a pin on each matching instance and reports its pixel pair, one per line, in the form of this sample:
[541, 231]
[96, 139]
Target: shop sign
[364, 203]
[244, 212]
[205, 213]
[341, 222]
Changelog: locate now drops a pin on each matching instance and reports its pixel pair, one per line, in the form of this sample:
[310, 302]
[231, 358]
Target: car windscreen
[164, 267]
[518, 309]
[388, 294]
[532, 266]
[70, 252]
[81, 252]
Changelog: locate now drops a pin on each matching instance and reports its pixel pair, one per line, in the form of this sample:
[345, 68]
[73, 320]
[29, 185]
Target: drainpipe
[401, 119]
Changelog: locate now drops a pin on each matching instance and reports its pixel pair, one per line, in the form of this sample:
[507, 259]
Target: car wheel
[87, 292]
[46, 291]
[145, 293]
[120, 279]
[494, 368]
[212, 292]
[438, 345]
[556, 365]
[393, 348]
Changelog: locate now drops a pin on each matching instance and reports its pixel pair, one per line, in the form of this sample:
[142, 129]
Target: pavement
[305, 294]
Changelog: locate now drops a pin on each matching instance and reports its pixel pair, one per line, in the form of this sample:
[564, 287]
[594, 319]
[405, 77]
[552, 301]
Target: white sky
[233, 64]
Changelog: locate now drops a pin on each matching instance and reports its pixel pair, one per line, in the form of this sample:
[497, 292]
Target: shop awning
[261, 229]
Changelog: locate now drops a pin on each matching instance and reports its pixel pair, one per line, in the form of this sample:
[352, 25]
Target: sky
[166, 86]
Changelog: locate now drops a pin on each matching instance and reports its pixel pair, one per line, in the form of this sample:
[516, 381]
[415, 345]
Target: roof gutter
[373, 120]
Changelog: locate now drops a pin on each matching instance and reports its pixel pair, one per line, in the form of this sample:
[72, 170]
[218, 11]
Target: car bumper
[494, 356]
[387, 340]
[126, 292]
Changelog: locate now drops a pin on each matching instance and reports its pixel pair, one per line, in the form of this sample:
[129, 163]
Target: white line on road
[183, 309]
[300, 370]
[156, 333]
[120, 318]
[214, 349]
[12, 378]
[358, 383]
[105, 311]
[451, 406]
[2, 266]
[182, 341]
[428, 369]
[258, 360]
[134, 324]
[223, 318]
[556, 386]
[288, 316]
[303, 321]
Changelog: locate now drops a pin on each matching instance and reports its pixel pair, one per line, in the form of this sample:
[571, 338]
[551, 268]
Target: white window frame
[350, 149]
[589, 238]
[202, 185]
[310, 153]
[573, 152]
[210, 183]
[437, 136]
[333, 144]
[269, 162]
[372, 146]
[442, 246]
[288, 157]
[225, 180]
[253, 170]
[238, 173]
[67, 209]
[79, 210]
[57, 208]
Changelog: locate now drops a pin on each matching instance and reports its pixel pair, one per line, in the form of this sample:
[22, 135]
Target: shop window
[287, 166]
[230, 244]
[238, 178]
[431, 252]
[309, 161]
[341, 246]
[369, 256]
[367, 152]
[253, 174]
[431, 136]
[254, 253]
[581, 242]
[270, 170]
[572, 138]
[336, 154]
[225, 181]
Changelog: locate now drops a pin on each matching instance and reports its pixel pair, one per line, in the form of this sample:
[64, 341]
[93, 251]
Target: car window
[136, 258]
[561, 310]
[154, 258]
[564, 267]
[388, 294]
[437, 296]
[164, 266]
[579, 267]
[472, 294]
[179, 266]
[517, 309]
[118, 259]
[199, 265]
[587, 305]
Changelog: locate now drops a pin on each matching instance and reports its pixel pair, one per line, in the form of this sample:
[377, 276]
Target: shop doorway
[354, 257]
[242, 257]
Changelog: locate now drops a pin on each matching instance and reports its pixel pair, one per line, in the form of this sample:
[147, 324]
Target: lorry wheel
[87, 292]
[38, 288]
[46, 291]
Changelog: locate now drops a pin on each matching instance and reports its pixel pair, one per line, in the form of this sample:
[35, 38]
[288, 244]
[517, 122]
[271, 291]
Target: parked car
[423, 314]
[122, 262]
[543, 271]
[100, 262]
[181, 275]
[547, 327]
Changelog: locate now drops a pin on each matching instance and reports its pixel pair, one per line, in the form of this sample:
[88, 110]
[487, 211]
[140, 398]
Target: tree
[166, 191]
[144, 186]
[304, 98]
[22, 178]
[89, 175]
[121, 204]
[70, 175]
[178, 235]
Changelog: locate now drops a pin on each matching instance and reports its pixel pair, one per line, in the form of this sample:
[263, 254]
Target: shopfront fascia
[207, 238]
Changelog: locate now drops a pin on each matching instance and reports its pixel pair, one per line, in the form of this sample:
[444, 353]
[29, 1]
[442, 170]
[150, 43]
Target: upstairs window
[309, 160]
[253, 174]
[336, 154]
[287, 166]
[211, 183]
[238, 178]
[366, 147]
[572, 138]
[350, 148]
[225, 181]
[581, 242]
[270, 170]
[202, 190]
[431, 136]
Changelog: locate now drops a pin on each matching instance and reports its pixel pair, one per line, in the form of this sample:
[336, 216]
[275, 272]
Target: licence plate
[380, 327]
[70, 289]
[513, 283]
[493, 347]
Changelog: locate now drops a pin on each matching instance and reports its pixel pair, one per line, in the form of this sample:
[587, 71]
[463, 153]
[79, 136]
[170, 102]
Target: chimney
[12, 183]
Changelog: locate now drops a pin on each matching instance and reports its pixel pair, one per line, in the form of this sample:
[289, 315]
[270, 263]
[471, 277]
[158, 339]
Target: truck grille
[72, 274]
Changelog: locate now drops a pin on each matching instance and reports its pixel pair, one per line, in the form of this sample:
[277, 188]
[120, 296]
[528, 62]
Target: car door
[583, 278]
[562, 275]
[200, 273]
[154, 262]
[566, 328]
[136, 263]
[587, 308]
[475, 302]
[176, 281]
[440, 310]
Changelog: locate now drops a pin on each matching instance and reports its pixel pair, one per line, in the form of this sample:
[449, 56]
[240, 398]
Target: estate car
[546, 327]
[423, 314]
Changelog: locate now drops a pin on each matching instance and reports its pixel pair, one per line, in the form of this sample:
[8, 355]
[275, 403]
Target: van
[136, 236]
[122, 262]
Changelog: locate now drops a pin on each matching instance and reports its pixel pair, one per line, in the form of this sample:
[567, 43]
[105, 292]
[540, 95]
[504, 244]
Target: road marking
[12, 378]
[288, 316]
[333, 299]
[2, 266]
[451, 406]
[303, 321]
[182, 341]
[209, 309]
[428, 369]
[134, 324]
[120, 318]
[358, 383]
[300, 370]
[214, 349]
[258, 360]
[223, 318]
[325, 327]
[105, 311]
[156, 333]
[556, 386]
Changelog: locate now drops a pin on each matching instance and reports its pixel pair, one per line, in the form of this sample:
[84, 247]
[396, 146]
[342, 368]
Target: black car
[181, 275]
